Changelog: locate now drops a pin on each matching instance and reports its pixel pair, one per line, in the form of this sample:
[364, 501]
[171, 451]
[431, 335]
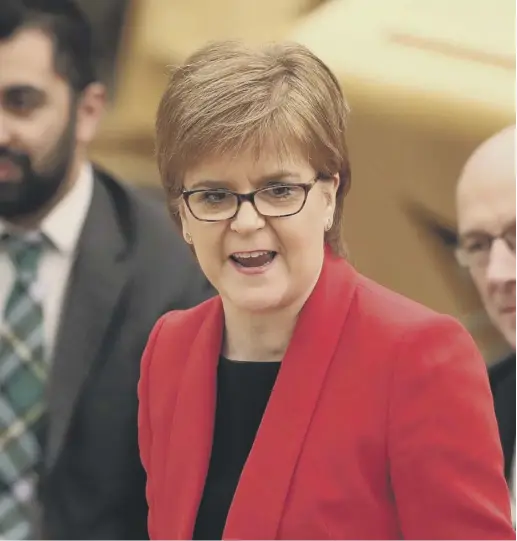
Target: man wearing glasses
[486, 220]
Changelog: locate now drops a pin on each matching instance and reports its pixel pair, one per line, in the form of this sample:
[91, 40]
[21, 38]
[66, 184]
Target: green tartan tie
[23, 374]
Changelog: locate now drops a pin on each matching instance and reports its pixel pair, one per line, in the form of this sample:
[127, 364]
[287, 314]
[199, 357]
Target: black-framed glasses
[273, 201]
[474, 249]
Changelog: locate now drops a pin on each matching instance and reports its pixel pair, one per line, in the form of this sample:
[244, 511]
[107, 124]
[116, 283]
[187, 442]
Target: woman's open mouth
[253, 260]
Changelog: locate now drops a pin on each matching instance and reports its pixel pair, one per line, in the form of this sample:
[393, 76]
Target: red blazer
[380, 424]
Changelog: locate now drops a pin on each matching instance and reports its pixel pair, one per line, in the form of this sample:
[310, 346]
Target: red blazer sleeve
[145, 435]
[445, 459]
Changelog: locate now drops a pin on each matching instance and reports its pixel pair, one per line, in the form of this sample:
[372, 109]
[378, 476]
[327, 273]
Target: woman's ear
[335, 187]
[184, 225]
[330, 188]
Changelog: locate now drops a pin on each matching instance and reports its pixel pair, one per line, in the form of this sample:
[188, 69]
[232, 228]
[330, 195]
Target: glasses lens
[212, 205]
[475, 252]
[280, 200]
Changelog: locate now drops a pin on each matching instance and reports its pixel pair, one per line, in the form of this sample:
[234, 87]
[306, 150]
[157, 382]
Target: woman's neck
[263, 336]
[258, 337]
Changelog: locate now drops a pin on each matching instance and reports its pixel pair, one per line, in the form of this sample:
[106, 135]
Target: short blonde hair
[228, 96]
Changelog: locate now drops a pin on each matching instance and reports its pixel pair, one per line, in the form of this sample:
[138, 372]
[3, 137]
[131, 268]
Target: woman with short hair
[304, 401]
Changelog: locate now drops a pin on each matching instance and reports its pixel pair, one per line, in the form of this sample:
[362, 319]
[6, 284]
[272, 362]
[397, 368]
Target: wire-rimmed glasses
[473, 250]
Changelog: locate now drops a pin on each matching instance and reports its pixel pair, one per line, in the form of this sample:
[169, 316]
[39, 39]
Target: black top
[243, 390]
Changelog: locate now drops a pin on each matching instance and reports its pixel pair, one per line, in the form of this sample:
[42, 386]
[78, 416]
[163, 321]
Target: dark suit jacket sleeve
[197, 288]
[443, 436]
[502, 381]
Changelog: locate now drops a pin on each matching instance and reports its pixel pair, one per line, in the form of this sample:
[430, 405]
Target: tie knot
[25, 252]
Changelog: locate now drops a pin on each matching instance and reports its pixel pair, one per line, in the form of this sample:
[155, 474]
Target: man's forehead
[486, 203]
[486, 188]
[26, 59]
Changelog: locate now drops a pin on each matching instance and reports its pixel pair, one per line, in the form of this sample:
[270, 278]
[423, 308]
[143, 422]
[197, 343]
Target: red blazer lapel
[259, 500]
[192, 426]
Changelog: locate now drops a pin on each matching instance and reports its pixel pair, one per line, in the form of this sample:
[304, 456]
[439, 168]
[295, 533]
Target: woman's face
[259, 263]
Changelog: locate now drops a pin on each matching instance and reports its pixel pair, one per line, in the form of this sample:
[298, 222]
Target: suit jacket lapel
[192, 427]
[270, 466]
[98, 278]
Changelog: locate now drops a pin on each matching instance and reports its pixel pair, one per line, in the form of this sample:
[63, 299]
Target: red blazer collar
[268, 471]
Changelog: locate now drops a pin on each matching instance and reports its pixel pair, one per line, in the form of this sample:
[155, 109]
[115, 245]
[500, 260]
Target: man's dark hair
[65, 25]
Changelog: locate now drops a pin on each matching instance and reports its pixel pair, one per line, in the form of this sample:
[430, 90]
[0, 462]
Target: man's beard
[31, 193]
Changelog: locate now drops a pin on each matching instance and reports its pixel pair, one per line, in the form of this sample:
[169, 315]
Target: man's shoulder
[161, 260]
[146, 210]
[502, 371]
[149, 201]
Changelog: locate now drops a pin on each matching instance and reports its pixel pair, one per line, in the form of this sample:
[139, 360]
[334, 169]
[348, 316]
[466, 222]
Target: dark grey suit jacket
[132, 266]
[502, 382]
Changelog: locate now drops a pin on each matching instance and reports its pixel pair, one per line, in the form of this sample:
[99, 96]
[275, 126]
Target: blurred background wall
[426, 81]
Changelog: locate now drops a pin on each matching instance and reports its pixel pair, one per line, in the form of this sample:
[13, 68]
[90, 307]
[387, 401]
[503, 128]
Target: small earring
[328, 225]
[188, 238]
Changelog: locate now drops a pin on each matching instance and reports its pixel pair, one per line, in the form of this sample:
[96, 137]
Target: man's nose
[501, 264]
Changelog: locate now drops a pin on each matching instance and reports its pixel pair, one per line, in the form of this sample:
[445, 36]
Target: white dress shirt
[62, 226]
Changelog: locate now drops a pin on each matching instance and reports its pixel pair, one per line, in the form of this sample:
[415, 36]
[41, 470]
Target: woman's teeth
[253, 259]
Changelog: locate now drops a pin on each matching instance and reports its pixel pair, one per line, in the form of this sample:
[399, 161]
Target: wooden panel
[430, 62]
[174, 29]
